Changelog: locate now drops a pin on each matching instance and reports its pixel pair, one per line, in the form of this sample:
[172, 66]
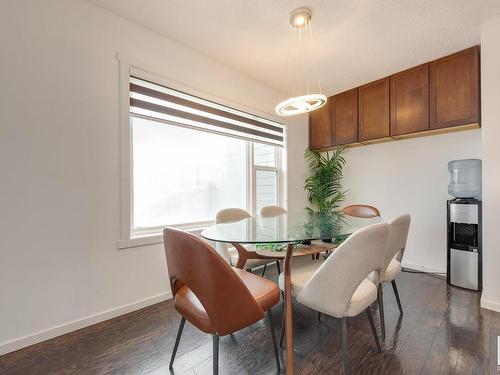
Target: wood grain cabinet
[454, 89]
[373, 107]
[345, 118]
[441, 94]
[320, 127]
[410, 101]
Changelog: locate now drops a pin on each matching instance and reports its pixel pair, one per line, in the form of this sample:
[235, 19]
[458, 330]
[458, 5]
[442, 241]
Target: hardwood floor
[443, 331]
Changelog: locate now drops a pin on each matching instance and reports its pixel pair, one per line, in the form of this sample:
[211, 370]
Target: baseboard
[22, 342]
[490, 305]
[422, 268]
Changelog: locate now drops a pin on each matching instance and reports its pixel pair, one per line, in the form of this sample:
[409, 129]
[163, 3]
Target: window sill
[151, 239]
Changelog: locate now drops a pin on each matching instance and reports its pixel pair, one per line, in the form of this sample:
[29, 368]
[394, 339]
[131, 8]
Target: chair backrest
[194, 263]
[228, 215]
[333, 284]
[272, 211]
[361, 210]
[398, 234]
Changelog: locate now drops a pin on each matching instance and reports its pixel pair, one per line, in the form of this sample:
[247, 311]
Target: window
[191, 157]
[266, 176]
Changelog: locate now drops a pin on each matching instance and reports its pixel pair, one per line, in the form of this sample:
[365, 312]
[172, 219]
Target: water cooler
[464, 244]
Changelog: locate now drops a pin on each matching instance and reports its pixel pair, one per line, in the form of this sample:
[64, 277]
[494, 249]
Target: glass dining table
[282, 237]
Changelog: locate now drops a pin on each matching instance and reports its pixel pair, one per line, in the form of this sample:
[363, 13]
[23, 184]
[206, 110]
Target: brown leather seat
[265, 292]
[210, 294]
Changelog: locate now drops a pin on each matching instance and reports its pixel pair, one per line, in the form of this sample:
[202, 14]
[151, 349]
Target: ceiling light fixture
[304, 101]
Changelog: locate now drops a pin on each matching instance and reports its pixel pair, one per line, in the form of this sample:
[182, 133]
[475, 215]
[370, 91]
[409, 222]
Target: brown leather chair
[213, 296]
[361, 211]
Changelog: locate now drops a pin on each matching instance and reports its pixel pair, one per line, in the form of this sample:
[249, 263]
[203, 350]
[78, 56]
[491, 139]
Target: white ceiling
[355, 41]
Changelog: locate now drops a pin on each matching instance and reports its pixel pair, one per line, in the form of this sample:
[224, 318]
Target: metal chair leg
[278, 267]
[345, 359]
[177, 339]
[395, 288]
[264, 270]
[372, 326]
[319, 316]
[380, 298]
[215, 360]
[282, 328]
[273, 338]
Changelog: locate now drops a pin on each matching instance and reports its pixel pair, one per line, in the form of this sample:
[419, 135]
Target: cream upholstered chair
[272, 211]
[345, 284]
[398, 234]
[229, 253]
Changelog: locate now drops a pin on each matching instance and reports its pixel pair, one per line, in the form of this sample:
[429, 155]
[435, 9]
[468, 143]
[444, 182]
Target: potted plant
[324, 188]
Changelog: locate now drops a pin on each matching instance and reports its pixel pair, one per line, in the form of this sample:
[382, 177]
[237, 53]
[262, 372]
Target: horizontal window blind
[160, 103]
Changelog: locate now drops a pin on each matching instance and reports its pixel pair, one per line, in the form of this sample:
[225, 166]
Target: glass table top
[288, 227]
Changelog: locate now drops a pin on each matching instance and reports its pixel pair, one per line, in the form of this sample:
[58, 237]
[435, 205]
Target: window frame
[148, 236]
[254, 168]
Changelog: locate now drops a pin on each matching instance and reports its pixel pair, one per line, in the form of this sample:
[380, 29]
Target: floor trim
[422, 268]
[490, 305]
[22, 342]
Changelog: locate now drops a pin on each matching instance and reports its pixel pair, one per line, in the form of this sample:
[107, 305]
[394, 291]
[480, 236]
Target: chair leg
[282, 328]
[319, 316]
[215, 360]
[264, 270]
[273, 338]
[177, 339]
[395, 288]
[380, 297]
[345, 359]
[278, 267]
[372, 326]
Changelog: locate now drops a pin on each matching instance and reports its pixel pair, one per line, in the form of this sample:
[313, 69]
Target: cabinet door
[454, 84]
[345, 118]
[374, 110]
[320, 127]
[410, 101]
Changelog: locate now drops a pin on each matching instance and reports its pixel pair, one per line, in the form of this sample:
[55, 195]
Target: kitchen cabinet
[345, 118]
[320, 127]
[373, 107]
[410, 101]
[454, 89]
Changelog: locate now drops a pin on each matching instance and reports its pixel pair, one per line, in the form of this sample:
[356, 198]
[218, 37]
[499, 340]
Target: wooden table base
[288, 310]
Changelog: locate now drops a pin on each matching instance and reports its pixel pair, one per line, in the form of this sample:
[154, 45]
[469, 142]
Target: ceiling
[355, 41]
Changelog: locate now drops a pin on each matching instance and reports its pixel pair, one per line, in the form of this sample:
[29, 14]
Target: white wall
[411, 176]
[298, 141]
[490, 101]
[59, 162]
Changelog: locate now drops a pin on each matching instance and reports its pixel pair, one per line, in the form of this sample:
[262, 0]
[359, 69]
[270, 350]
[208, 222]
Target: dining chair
[228, 215]
[213, 296]
[272, 211]
[361, 211]
[345, 284]
[398, 234]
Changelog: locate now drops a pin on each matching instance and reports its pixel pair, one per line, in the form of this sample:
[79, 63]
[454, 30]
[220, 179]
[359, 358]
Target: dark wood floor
[443, 331]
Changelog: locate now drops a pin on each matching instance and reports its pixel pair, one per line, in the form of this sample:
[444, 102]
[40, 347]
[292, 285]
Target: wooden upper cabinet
[454, 89]
[320, 127]
[345, 118]
[410, 100]
[373, 107]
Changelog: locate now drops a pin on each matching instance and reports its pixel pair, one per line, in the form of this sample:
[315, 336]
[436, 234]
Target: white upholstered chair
[228, 252]
[345, 284]
[398, 234]
[272, 211]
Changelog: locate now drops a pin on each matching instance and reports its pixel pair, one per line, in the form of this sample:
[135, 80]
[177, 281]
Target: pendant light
[300, 70]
